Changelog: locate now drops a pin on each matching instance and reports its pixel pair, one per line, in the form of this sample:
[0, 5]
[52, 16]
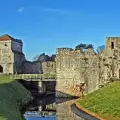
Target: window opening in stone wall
[112, 45]
[5, 44]
[1, 69]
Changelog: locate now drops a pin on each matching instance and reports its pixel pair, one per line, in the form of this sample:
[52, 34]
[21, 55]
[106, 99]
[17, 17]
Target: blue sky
[45, 25]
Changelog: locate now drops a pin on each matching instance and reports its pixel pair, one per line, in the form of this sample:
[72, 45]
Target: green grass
[12, 98]
[5, 79]
[105, 102]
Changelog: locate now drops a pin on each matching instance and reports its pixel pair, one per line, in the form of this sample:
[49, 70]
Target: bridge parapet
[33, 76]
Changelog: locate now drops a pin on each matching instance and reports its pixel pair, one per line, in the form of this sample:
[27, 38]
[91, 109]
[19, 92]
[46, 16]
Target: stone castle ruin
[75, 67]
[12, 59]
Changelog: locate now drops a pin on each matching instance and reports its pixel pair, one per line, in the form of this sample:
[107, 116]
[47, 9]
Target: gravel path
[81, 113]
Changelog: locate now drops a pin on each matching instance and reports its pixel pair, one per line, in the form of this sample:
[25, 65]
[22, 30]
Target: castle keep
[75, 67]
[11, 55]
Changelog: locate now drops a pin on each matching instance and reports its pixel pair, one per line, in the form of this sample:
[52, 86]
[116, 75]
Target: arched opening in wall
[1, 69]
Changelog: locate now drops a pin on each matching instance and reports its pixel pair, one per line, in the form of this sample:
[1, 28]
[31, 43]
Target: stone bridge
[42, 83]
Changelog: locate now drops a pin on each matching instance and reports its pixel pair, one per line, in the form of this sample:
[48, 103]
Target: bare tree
[100, 48]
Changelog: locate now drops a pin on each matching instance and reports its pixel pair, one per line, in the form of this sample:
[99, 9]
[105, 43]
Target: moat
[51, 108]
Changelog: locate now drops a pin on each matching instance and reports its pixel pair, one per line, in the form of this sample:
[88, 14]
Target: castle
[72, 67]
[12, 59]
[75, 67]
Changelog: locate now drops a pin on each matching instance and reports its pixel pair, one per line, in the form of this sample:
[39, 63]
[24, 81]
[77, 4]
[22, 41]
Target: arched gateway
[1, 69]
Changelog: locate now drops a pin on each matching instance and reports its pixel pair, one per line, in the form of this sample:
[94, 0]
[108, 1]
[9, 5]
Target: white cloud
[59, 11]
[21, 9]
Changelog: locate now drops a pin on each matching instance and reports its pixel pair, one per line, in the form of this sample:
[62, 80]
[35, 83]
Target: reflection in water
[51, 108]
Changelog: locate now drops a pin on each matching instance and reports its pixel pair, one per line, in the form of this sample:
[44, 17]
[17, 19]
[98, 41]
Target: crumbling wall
[91, 75]
[49, 67]
[74, 68]
[32, 67]
[18, 59]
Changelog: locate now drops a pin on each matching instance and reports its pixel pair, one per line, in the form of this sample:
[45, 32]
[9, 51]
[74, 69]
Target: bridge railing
[33, 76]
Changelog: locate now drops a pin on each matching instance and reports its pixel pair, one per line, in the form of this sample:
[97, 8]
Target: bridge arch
[1, 69]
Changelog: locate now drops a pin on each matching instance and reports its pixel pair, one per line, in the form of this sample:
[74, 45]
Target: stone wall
[12, 59]
[49, 67]
[38, 67]
[31, 67]
[75, 67]
[6, 57]
[11, 56]
[16, 45]
[18, 59]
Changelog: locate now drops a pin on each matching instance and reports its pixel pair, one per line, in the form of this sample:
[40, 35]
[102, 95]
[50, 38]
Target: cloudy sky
[45, 25]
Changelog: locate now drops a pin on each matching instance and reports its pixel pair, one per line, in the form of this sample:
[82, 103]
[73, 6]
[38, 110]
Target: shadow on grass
[13, 96]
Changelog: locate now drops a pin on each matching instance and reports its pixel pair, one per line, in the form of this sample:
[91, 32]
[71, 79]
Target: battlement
[63, 50]
[113, 42]
[112, 38]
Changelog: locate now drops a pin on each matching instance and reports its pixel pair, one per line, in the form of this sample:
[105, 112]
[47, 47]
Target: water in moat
[51, 108]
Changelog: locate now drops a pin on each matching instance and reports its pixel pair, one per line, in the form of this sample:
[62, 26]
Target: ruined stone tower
[11, 55]
[113, 42]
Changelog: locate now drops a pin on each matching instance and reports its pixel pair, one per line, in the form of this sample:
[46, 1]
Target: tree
[100, 48]
[84, 46]
[89, 46]
[80, 47]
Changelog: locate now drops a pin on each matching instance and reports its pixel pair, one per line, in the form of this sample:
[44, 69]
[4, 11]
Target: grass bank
[13, 96]
[104, 102]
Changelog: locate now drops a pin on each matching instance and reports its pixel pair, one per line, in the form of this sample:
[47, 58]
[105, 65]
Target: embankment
[104, 102]
[13, 96]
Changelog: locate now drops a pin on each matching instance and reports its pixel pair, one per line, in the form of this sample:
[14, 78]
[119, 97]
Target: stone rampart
[75, 68]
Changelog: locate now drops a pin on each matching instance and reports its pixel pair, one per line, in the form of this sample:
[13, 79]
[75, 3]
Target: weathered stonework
[74, 67]
[32, 67]
[11, 55]
[49, 67]
[12, 59]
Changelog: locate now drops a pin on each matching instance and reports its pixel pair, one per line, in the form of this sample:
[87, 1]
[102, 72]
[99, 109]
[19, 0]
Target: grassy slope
[105, 102]
[12, 96]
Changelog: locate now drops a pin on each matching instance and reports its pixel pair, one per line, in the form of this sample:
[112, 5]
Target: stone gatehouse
[12, 59]
[11, 55]
[75, 67]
